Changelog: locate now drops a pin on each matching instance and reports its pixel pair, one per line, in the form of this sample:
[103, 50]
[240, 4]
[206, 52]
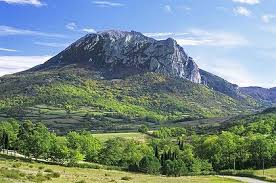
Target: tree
[113, 151]
[75, 156]
[59, 152]
[40, 141]
[261, 149]
[23, 143]
[150, 165]
[34, 140]
[89, 146]
[174, 168]
[8, 134]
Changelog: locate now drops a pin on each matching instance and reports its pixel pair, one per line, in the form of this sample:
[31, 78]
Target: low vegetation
[31, 171]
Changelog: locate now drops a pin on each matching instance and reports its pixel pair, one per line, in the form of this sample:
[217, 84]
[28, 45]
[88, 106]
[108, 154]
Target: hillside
[257, 121]
[259, 93]
[74, 98]
[118, 80]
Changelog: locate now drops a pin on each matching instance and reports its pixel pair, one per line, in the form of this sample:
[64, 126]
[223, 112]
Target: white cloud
[13, 64]
[89, 30]
[242, 11]
[105, 4]
[197, 37]
[219, 38]
[250, 2]
[37, 3]
[8, 50]
[71, 26]
[74, 27]
[164, 34]
[229, 69]
[268, 18]
[168, 8]
[11, 31]
[54, 45]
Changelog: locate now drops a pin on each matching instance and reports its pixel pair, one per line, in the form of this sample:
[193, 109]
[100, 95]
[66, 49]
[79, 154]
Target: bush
[143, 129]
[17, 165]
[126, 178]
[48, 170]
[41, 167]
[55, 175]
[81, 181]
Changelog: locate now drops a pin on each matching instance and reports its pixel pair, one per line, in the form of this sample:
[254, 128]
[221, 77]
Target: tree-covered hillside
[77, 98]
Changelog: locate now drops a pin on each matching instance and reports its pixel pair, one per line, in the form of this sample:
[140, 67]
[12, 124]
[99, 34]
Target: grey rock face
[117, 54]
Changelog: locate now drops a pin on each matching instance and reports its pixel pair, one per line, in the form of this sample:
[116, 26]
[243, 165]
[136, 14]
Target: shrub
[55, 175]
[126, 178]
[48, 170]
[41, 167]
[143, 129]
[81, 181]
[17, 165]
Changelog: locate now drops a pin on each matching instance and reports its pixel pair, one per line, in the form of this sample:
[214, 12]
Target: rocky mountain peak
[120, 53]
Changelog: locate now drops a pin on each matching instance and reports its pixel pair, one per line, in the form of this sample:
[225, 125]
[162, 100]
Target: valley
[136, 106]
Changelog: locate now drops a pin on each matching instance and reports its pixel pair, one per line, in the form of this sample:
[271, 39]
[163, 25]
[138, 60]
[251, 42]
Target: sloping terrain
[261, 94]
[73, 99]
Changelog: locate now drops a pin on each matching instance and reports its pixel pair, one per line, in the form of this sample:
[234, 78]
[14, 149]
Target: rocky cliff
[116, 54]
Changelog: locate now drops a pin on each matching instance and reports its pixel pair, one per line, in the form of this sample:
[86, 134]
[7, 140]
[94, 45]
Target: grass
[135, 136]
[269, 174]
[85, 175]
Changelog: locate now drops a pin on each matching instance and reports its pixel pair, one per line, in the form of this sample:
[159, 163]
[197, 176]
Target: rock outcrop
[117, 54]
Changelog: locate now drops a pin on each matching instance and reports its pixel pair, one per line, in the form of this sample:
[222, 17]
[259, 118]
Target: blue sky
[235, 39]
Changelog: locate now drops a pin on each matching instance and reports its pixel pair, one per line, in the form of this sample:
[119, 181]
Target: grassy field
[13, 171]
[135, 136]
[269, 174]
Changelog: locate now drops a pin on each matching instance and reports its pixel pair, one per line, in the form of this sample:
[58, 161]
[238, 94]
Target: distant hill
[262, 94]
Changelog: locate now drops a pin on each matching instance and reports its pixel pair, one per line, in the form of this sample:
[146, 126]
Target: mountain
[117, 54]
[119, 80]
[218, 84]
[262, 94]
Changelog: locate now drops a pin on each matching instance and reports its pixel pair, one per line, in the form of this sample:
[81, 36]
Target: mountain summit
[117, 54]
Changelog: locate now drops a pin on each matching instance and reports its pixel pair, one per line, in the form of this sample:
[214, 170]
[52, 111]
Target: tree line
[170, 151]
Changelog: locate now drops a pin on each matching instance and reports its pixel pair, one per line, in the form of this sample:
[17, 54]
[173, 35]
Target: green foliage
[169, 132]
[150, 165]
[34, 139]
[82, 99]
[175, 168]
[143, 129]
[174, 152]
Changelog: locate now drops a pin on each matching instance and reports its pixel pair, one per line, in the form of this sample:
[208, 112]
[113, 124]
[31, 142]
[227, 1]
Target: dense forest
[169, 151]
